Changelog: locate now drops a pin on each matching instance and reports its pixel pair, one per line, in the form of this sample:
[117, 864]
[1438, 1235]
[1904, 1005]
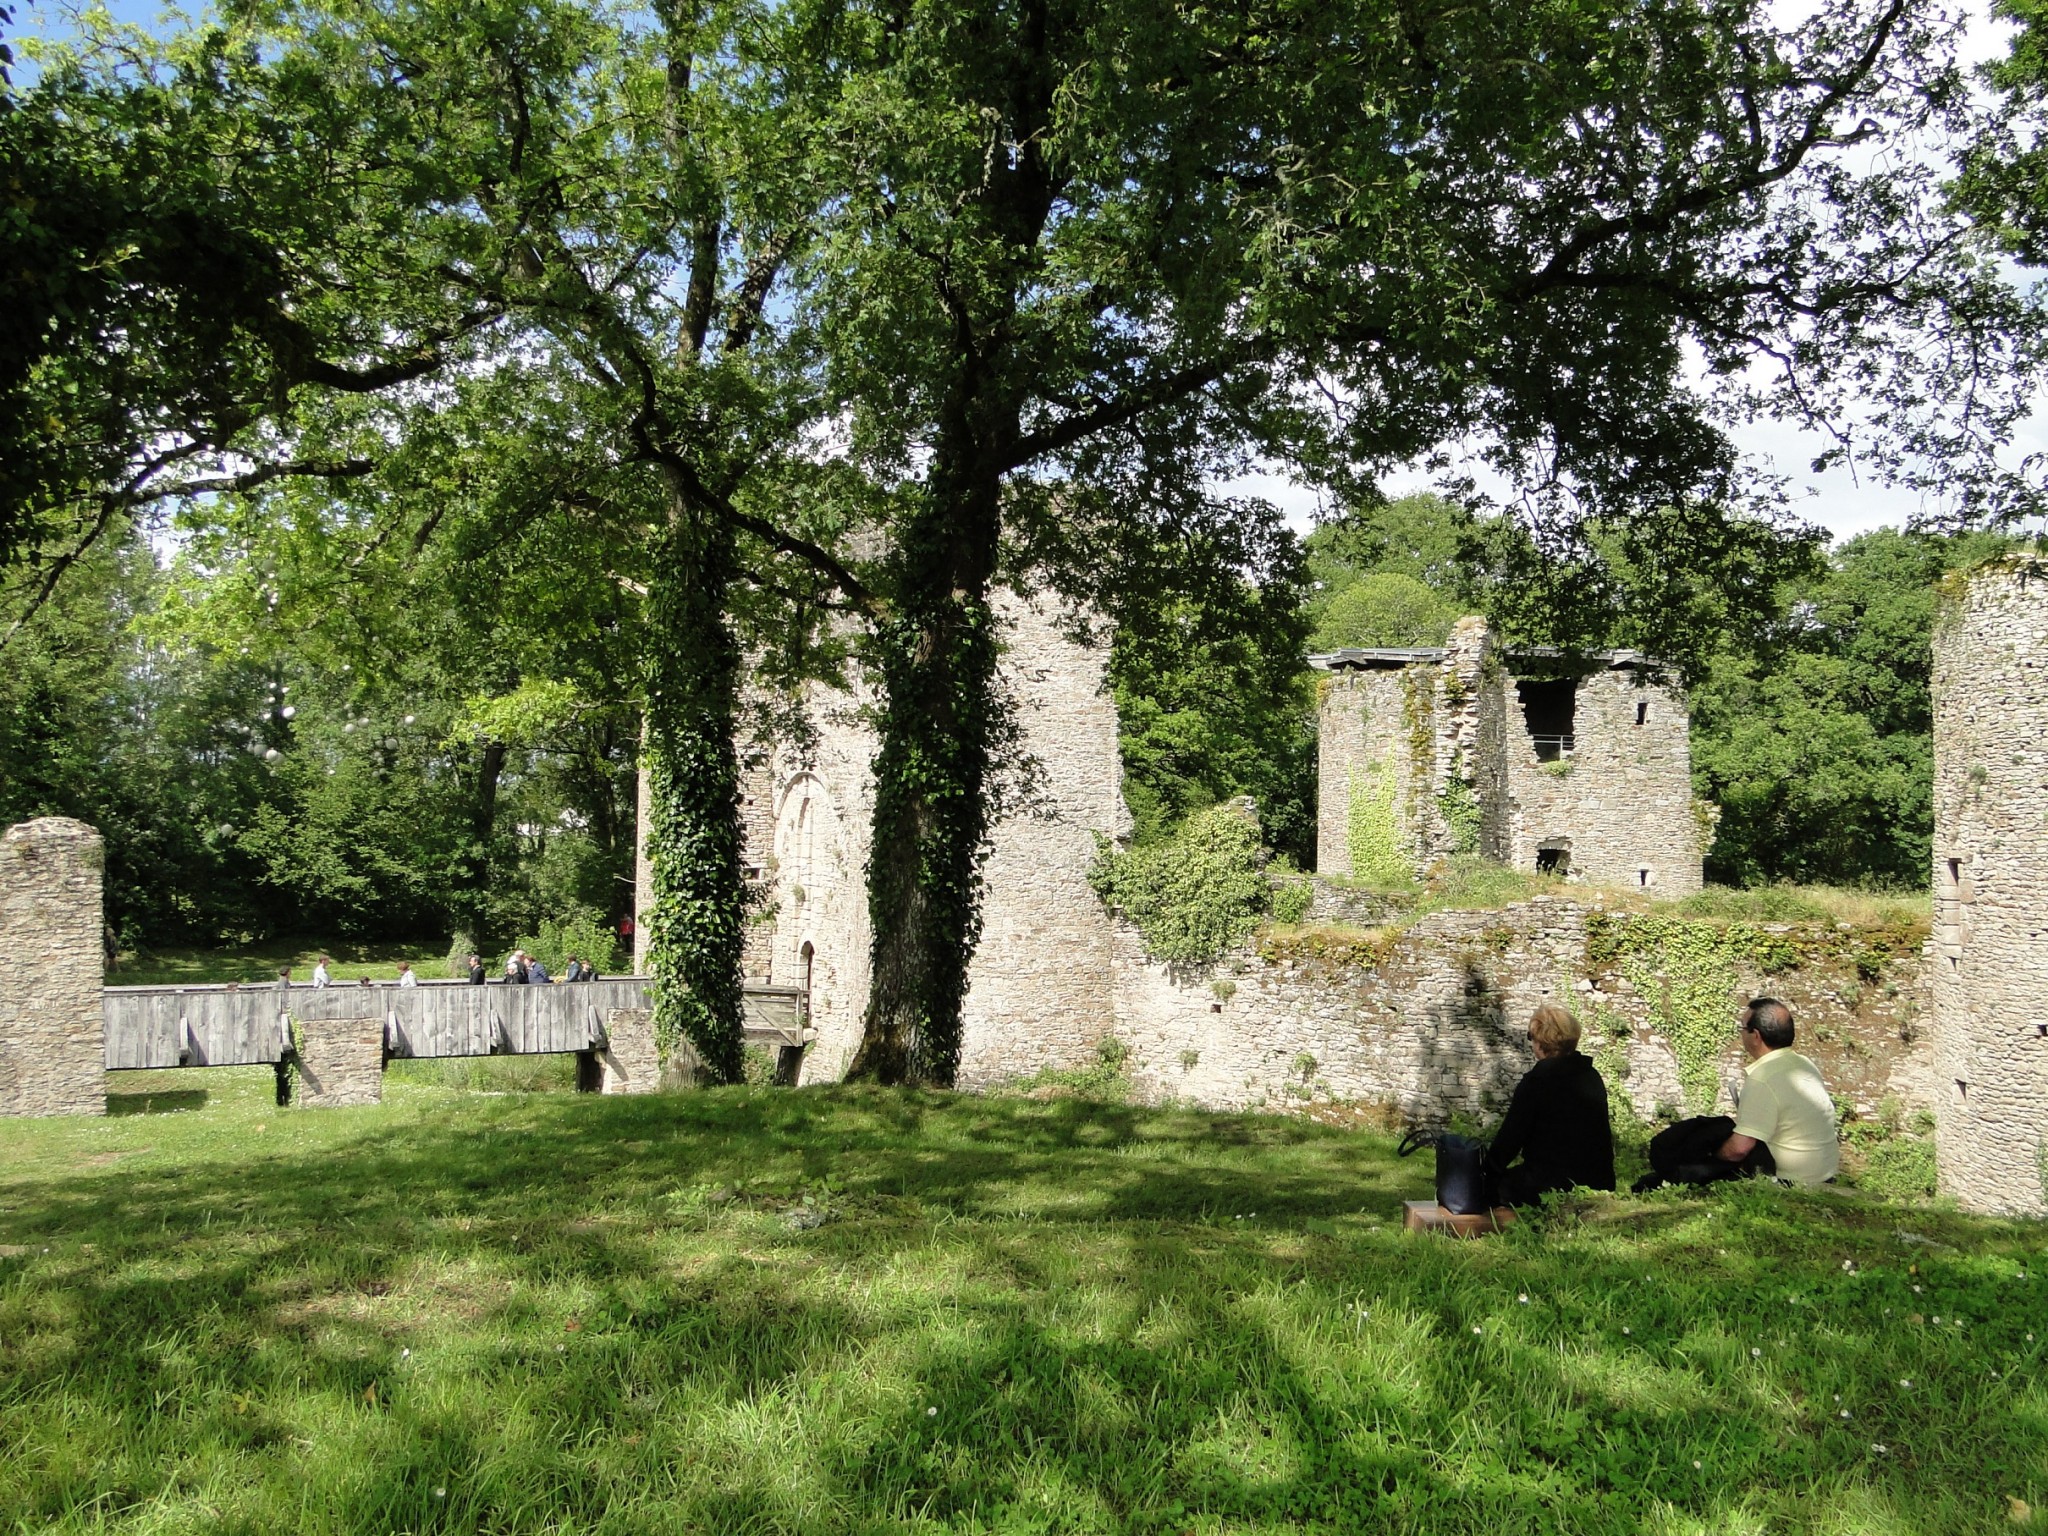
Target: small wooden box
[1428, 1216]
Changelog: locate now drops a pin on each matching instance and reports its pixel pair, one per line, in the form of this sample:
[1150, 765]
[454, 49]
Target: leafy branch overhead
[806, 327]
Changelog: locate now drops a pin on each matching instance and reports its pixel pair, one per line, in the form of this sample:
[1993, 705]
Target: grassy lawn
[261, 962]
[841, 1309]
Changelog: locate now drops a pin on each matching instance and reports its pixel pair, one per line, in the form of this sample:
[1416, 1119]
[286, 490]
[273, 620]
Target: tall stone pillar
[1468, 809]
[53, 1054]
[1990, 941]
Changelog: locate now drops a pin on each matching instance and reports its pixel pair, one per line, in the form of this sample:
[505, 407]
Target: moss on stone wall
[1373, 828]
[1343, 947]
[1689, 971]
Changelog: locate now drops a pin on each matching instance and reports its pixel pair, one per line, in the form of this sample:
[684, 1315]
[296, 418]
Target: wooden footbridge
[220, 1026]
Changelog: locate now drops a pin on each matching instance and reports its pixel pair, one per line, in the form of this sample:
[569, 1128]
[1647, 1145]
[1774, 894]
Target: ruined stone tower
[1517, 756]
[1990, 942]
[1040, 985]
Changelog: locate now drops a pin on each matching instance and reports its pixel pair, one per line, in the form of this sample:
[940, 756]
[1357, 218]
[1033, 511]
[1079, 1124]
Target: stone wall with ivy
[1366, 774]
[1429, 1018]
[1040, 985]
[1990, 984]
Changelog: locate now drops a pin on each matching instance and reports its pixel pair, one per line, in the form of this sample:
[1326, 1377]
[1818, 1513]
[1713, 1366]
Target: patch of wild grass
[1809, 904]
[845, 1309]
[261, 962]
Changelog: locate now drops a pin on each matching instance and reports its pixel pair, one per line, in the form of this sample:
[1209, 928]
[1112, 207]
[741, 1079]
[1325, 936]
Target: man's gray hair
[1772, 1021]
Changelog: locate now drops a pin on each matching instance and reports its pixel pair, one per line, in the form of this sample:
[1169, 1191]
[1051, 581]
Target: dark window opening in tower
[1548, 708]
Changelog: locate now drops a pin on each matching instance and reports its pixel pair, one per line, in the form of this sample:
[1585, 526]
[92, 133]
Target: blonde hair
[1554, 1028]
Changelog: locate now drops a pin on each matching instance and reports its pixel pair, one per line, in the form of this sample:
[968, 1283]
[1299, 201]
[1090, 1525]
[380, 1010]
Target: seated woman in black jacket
[1557, 1121]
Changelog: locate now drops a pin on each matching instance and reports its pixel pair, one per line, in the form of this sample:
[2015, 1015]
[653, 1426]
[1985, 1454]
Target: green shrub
[1194, 895]
[1899, 1168]
[1291, 900]
[1897, 1152]
[1458, 804]
[1106, 1078]
[581, 931]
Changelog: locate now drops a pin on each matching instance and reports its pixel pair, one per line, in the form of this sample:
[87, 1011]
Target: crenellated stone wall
[1990, 948]
[52, 1046]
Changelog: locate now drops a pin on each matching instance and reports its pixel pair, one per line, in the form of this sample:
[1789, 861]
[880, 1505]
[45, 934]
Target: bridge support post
[53, 1055]
[629, 1062]
[340, 1049]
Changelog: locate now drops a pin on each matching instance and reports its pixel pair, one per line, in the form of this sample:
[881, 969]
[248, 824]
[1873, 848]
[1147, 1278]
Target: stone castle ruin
[1526, 758]
[1990, 943]
[1586, 772]
[1581, 770]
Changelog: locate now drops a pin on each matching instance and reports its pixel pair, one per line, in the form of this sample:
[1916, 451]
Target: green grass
[261, 962]
[1467, 884]
[1810, 904]
[843, 1309]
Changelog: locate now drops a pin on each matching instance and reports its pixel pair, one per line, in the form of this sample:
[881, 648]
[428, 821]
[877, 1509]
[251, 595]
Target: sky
[1839, 500]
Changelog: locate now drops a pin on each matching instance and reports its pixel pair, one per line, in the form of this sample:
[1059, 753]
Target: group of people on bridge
[524, 970]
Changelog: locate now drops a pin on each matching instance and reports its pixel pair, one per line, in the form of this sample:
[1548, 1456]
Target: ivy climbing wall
[1990, 960]
[1369, 749]
[1428, 1019]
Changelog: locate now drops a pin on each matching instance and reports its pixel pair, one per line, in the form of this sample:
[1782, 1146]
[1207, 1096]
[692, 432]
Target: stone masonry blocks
[340, 1049]
[1040, 983]
[1431, 726]
[1989, 950]
[52, 1044]
[630, 1063]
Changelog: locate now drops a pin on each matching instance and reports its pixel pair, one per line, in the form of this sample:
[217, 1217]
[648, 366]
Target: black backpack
[1460, 1171]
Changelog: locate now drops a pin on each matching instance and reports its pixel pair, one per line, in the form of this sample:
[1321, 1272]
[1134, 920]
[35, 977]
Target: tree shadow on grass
[1016, 1315]
[160, 1103]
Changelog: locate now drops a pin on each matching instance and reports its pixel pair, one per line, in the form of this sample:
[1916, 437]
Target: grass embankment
[261, 962]
[846, 1310]
[1472, 884]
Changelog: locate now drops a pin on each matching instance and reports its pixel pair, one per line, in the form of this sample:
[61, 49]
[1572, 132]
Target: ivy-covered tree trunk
[696, 921]
[938, 660]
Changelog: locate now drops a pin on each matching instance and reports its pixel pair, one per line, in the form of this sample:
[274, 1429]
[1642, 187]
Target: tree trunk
[695, 924]
[940, 723]
[476, 863]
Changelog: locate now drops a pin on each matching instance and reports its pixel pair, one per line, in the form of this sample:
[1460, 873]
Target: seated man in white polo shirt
[1785, 1106]
[1784, 1125]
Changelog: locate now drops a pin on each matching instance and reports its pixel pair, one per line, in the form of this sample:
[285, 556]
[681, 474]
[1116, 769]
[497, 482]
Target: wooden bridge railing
[218, 1026]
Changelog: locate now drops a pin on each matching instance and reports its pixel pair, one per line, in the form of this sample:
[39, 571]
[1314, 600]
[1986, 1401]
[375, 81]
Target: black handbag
[1460, 1169]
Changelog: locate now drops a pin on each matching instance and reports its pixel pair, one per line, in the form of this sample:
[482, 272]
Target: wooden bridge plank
[151, 1026]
